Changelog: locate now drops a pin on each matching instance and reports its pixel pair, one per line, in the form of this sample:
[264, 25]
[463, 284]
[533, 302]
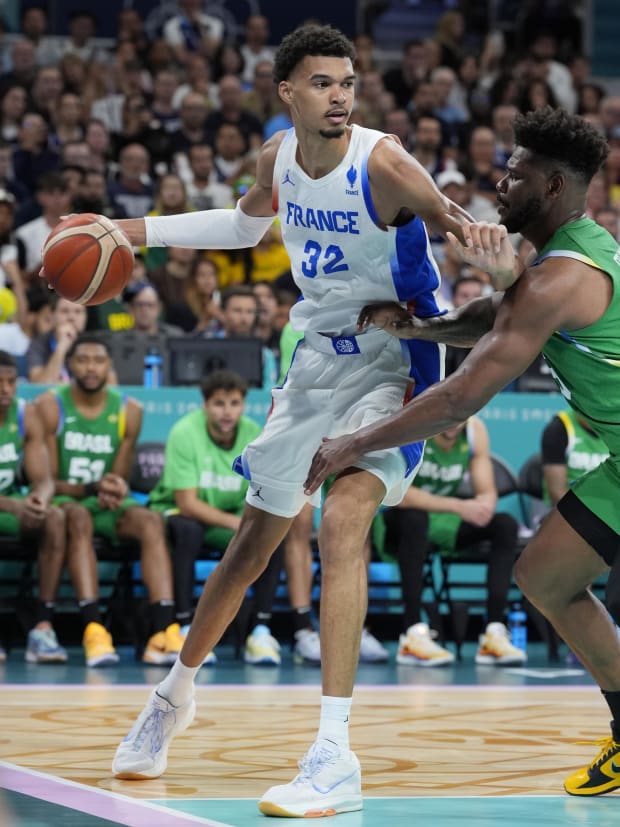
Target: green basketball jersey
[87, 447]
[11, 443]
[586, 362]
[442, 471]
[585, 449]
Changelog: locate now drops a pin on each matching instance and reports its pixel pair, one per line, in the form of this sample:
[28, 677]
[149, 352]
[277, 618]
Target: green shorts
[104, 520]
[443, 529]
[215, 536]
[9, 523]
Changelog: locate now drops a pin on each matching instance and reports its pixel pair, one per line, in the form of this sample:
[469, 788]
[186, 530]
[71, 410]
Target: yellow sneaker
[98, 647]
[495, 648]
[603, 774]
[164, 647]
[418, 648]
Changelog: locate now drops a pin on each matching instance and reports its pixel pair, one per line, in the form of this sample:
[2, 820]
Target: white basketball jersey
[342, 257]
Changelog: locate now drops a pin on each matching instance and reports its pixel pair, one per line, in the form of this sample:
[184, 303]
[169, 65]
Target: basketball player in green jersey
[30, 515]
[91, 433]
[567, 305]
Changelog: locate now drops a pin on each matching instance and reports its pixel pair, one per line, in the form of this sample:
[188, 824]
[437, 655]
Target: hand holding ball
[87, 259]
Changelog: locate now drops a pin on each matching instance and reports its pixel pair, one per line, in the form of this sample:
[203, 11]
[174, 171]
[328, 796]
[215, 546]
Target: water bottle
[517, 625]
[153, 365]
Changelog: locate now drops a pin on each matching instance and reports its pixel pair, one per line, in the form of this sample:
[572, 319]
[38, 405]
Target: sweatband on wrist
[207, 229]
[90, 489]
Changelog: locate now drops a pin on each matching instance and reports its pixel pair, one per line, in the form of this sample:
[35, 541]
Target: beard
[336, 132]
[88, 389]
[517, 218]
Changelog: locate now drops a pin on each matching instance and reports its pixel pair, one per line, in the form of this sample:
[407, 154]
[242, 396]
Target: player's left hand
[333, 456]
[488, 248]
[391, 317]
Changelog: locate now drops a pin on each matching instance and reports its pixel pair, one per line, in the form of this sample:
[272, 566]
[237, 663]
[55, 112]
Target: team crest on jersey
[345, 345]
[352, 178]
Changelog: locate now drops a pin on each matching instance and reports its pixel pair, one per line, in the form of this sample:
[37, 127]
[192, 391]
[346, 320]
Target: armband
[207, 229]
[90, 489]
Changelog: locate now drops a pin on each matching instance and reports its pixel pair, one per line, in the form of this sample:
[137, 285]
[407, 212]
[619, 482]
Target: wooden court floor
[431, 754]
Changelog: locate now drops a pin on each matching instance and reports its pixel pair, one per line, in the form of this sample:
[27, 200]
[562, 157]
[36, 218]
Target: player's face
[320, 92]
[8, 384]
[520, 192]
[90, 365]
[223, 409]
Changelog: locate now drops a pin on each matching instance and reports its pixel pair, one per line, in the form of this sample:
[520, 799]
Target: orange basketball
[87, 259]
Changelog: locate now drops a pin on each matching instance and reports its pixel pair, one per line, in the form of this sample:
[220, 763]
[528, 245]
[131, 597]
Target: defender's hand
[334, 455]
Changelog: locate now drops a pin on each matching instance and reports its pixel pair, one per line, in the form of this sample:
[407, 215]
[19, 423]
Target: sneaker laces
[153, 726]
[608, 748]
[315, 759]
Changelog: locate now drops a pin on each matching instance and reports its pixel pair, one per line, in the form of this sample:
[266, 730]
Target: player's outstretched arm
[461, 327]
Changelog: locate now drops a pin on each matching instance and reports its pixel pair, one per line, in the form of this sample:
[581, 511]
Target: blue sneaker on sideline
[43, 647]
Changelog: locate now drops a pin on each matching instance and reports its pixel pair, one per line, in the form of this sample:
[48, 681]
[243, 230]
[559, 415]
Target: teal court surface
[457, 745]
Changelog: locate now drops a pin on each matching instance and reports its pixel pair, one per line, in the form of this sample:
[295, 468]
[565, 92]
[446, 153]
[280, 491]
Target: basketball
[87, 259]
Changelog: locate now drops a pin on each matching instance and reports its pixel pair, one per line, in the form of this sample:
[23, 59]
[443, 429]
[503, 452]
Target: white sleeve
[207, 229]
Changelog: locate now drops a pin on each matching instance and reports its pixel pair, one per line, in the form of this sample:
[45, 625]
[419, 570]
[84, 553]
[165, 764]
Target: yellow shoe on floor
[164, 647]
[98, 647]
[603, 774]
[417, 647]
[495, 648]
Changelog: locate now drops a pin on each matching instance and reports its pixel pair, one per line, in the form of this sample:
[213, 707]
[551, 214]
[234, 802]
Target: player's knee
[78, 520]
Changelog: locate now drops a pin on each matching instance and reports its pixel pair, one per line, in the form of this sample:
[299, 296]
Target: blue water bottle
[517, 625]
[153, 368]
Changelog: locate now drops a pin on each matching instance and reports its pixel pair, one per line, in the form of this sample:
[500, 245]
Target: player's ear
[284, 90]
[556, 184]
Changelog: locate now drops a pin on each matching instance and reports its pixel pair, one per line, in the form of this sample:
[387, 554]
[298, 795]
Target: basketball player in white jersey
[351, 203]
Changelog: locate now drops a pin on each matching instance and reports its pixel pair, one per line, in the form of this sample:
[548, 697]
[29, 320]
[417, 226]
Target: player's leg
[147, 528]
[42, 645]
[261, 647]
[171, 707]
[298, 565]
[82, 565]
[554, 573]
[330, 777]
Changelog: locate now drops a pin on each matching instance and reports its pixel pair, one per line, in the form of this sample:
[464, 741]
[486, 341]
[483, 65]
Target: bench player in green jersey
[91, 433]
[567, 304]
[30, 515]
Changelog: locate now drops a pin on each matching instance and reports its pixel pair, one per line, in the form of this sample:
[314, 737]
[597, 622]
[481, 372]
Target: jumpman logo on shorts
[258, 494]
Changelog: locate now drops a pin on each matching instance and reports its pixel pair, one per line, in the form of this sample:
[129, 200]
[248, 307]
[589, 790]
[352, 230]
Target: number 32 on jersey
[326, 260]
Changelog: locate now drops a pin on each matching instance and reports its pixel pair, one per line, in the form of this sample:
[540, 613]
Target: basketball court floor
[465, 745]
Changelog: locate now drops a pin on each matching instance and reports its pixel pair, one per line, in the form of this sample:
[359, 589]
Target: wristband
[90, 489]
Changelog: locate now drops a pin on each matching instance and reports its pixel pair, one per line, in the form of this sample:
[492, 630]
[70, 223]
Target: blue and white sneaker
[43, 647]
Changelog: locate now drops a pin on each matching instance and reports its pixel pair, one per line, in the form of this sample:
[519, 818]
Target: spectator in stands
[203, 498]
[82, 31]
[481, 158]
[192, 31]
[73, 71]
[91, 433]
[33, 318]
[231, 111]
[34, 27]
[32, 158]
[373, 101]
[54, 199]
[398, 122]
[23, 63]
[450, 35]
[195, 307]
[30, 517]
[47, 354]
[92, 196]
[239, 317]
[428, 145]
[8, 181]
[171, 199]
[203, 192]
[542, 53]
[230, 160]
[465, 288]
[163, 109]
[97, 137]
[133, 188]
[403, 80]
[432, 514]
[443, 80]
[264, 328]
[46, 91]
[536, 94]
[262, 100]
[68, 120]
[503, 119]
[254, 47]
[197, 79]
[145, 307]
[193, 112]
[13, 107]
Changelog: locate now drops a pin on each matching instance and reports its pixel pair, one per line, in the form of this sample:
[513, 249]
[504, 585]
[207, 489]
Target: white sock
[178, 685]
[334, 723]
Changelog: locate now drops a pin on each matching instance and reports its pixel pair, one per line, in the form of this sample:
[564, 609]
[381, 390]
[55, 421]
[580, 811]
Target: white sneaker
[329, 782]
[307, 647]
[143, 753]
[495, 648]
[371, 650]
[261, 648]
[418, 648]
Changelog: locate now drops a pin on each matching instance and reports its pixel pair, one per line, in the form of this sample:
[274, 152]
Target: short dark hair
[7, 361]
[51, 181]
[88, 339]
[556, 136]
[236, 290]
[222, 380]
[310, 39]
[37, 298]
